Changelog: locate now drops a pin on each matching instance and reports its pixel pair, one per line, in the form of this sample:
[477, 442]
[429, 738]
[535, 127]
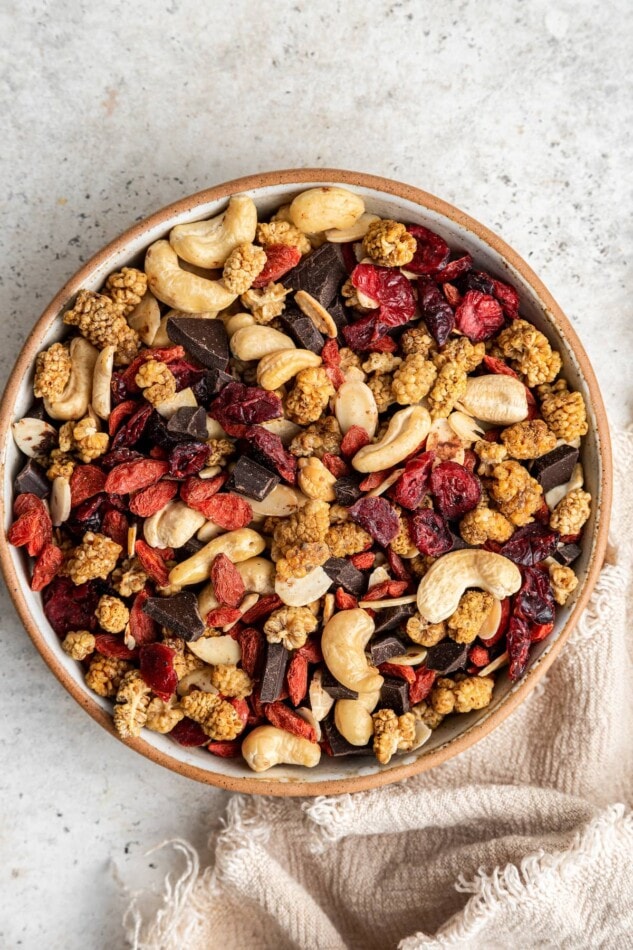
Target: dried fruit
[119, 413]
[132, 476]
[189, 734]
[267, 449]
[252, 644]
[297, 678]
[330, 354]
[221, 616]
[48, 563]
[142, 628]
[115, 526]
[228, 585]
[420, 689]
[454, 269]
[534, 601]
[280, 258]
[337, 466]
[377, 517]
[85, 482]
[32, 528]
[479, 316]
[238, 405]
[504, 293]
[148, 501]
[354, 439]
[406, 673]
[284, 718]
[386, 589]
[108, 644]
[130, 433]
[264, 606]
[392, 291]
[495, 365]
[188, 458]
[455, 489]
[344, 600]
[430, 533]
[364, 560]
[157, 669]
[68, 607]
[518, 643]
[153, 564]
[436, 312]
[413, 484]
[227, 749]
[228, 511]
[431, 253]
[530, 544]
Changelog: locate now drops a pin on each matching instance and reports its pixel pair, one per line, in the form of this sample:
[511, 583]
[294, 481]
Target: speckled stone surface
[519, 113]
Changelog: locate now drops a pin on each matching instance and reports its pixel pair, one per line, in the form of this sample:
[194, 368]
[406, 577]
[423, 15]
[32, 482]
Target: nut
[279, 503]
[237, 322]
[355, 405]
[254, 342]
[413, 656]
[301, 591]
[267, 746]
[343, 643]
[172, 526]
[34, 437]
[491, 621]
[444, 441]
[145, 318]
[356, 232]
[168, 407]
[353, 721]
[322, 320]
[500, 400]
[442, 586]
[102, 382]
[75, 399]
[209, 243]
[465, 427]
[237, 545]
[278, 367]
[202, 679]
[215, 650]
[180, 288]
[60, 503]
[257, 574]
[320, 701]
[315, 480]
[320, 209]
[407, 429]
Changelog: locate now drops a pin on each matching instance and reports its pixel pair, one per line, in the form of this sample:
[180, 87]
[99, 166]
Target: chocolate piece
[302, 330]
[192, 546]
[384, 647]
[179, 613]
[320, 274]
[36, 410]
[274, 674]
[205, 339]
[567, 553]
[458, 542]
[345, 575]
[554, 468]
[188, 423]
[447, 657]
[392, 617]
[346, 490]
[32, 478]
[335, 689]
[339, 745]
[210, 385]
[395, 695]
[252, 479]
[339, 313]
[157, 433]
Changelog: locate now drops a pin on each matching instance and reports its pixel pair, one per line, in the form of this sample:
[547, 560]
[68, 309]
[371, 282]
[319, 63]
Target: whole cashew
[352, 717]
[102, 382]
[209, 243]
[323, 321]
[238, 321]
[257, 574]
[355, 405]
[343, 644]
[301, 591]
[172, 526]
[237, 545]
[145, 318]
[501, 400]
[320, 209]
[284, 428]
[442, 586]
[407, 429]
[278, 367]
[266, 746]
[254, 342]
[75, 399]
[179, 288]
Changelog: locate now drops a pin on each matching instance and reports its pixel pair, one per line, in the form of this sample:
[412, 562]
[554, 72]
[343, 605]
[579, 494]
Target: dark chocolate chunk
[274, 674]
[392, 617]
[335, 689]
[302, 330]
[36, 410]
[345, 575]
[555, 467]
[32, 478]
[157, 433]
[346, 490]
[192, 546]
[252, 479]
[179, 613]
[320, 274]
[458, 542]
[210, 385]
[339, 313]
[339, 745]
[567, 553]
[384, 647]
[394, 694]
[188, 423]
[447, 657]
[203, 338]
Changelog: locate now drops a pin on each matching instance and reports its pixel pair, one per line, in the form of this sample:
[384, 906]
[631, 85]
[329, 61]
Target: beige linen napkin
[525, 840]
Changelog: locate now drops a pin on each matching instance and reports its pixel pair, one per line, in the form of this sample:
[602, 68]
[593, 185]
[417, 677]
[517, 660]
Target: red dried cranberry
[377, 517]
[119, 390]
[435, 310]
[86, 517]
[187, 458]
[132, 430]
[68, 607]
[349, 256]
[454, 269]
[429, 533]
[157, 669]
[534, 601]
[384, 345]
[540, 631]
[389, 288]
[363, 333]
[267, 449]
[478, 316]
[238, 405]
[280, 258]
[188, 733]
[397, 566]
[530, 544]
[186, 373]
[504, 293]
[431, 253]
[456, 490]
[118, 457]
[412, 485]
[518, 645]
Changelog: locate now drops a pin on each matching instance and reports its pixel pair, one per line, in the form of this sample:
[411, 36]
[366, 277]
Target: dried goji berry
[228, 511]
[148, 501]
[386, 589]
[373, 480]
[280, 258]
[165, 354]
[132, 476]
[420, 689]
[377, 517]
[110, 645]
[335, 465]
[115, 525]
[311, 651]
[470, 460]
[221, 616]
[142, 627]
[85, 482]
[196, 491]
[46, 567]
[401, 672]
[25, 502]
[336, 376]
[364, 560]
[252, 642]
[264, 606]
[344, 600]
[189, 733]
[241, 708]
[398, 568]
[297, 678]
[225, 750]
[478, 316]
[284, 718]
[354, 439]
[153, 564]
[228, 585]
[479, 656]
[119, 413]
[156, 662]
[330, 353]
[32, 529]
[497, 366]
[411, 487]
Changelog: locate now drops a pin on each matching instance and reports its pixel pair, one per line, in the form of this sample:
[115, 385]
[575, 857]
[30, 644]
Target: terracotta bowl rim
[251, 183]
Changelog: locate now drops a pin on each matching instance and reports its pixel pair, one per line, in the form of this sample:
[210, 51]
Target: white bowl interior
[268, 199]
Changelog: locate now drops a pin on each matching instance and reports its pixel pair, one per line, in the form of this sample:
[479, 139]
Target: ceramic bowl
[388, 199]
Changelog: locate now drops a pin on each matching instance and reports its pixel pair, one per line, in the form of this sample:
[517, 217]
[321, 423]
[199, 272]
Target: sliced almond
[465, 427]
[217, 650]
[413, 656]
[301, 591]
[491, 621]
[322, 320]
[60, 503]
[383, 604]
[356, 232]
[495, 665]
[199, 678]
[422, 734]
[131, 540]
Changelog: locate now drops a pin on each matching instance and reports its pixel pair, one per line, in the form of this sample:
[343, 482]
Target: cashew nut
[215, 650]
[266, 746]
[179, 288]
[284, 428]
[238, 321]
[102, 382]
[301, 591]
[168, 407]
[407, 429]
[323, 321]
[237, 545]
[500, 400]
[75, 399]
[145, 318]
[356, 232]
[320, 701]
[254, 342]
[60, 503]
[355, 405]
[315, 480]
[34, 437]
[320, 209]
[442, 586]
[162, 337]
[172, 526]
[209, 243]
[208, 531]
[277, 368]
[353, 721]
[343, 643]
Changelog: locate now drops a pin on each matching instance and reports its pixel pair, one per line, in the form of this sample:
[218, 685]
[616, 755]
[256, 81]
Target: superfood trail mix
[301, 486]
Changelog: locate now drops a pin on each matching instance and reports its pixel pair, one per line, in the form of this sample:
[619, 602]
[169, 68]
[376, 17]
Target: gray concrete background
[519, 113]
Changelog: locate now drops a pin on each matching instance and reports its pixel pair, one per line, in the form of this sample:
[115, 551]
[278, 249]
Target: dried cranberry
[456, 490]
[435, 310]
[412, 485]
[530, 544]
[238, 405]
[454, 269]
[118, 457]
[397, 566]
[157, 669]
[431, 253]
[363, 333]
[540, 631]
[478, 316]
[267, 449]
[188, 733]
[280, 258]
[119, 390]
[430, 533]
[504, 293]
[518, 645]
[534, 602]
[132, 430]
[390, 289]
[187, 458]
[119, 413]
[186, 373]
[86, 517]
[68, 607]
[349, 256]
[377, 517]
[384, 345]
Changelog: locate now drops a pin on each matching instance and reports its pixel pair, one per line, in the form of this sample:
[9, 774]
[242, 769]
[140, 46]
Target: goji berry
[335, 465]
[311, 651]
[479, 656]
[354, 439]
[452, 294]
[221, 616]
[153, 564]
[401, 672]
[228, 585]
[330, 353]
[251, 643]
[264, 606]
[157, 669]
[109, 645]
[25, 502]
[284, 718]
[46, 567]
[420, 689]
[85, 482]
[386, 589]
[32, 529]
[158, 452]
[148, 501]
[165, 354]
[373, 480]
[189, 733]
[364, 560]
[142, 627]
[115, 525]
[497, 366]
[132, 476]
[225, 750]
[470, 460]
[398, 568]
[195, 492]
[297, 678]
[119, 413]
[280, 258]
[336, 376]
[345, 601]
[228, 511]
[241, 708]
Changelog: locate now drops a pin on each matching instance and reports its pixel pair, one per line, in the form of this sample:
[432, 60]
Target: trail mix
[309, 503]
